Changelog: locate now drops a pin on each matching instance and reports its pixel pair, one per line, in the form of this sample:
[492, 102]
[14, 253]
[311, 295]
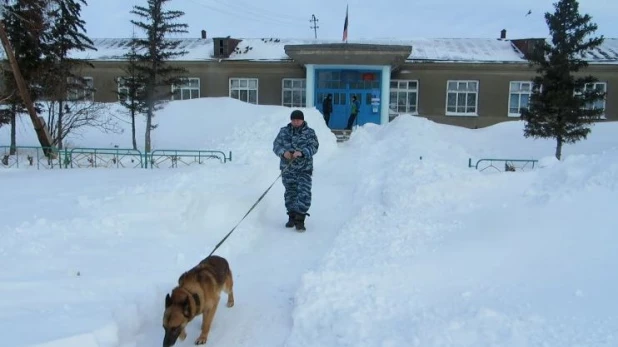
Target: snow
[607, 52]
[423, 49]
[273, 49]
[406, 245]
[446, 49]
[115, 48]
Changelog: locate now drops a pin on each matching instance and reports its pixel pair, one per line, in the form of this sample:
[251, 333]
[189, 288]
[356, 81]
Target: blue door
[341, 106]
[367, 113]
[342, 85]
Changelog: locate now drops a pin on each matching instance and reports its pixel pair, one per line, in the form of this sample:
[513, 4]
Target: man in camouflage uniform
[296, 144]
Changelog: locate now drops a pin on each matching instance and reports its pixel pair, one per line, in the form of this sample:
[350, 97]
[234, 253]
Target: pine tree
[157, 51]
[132, 95]
[24, 21]
[4, 118]
[67, 34]
[560, 105]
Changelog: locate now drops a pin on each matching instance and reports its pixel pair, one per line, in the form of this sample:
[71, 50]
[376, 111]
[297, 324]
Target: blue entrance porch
[368, 83]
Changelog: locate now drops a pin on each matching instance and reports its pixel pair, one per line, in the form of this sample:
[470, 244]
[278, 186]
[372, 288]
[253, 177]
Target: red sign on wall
[368, 76]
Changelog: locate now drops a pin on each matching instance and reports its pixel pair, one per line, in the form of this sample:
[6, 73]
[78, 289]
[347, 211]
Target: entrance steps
[342, 134]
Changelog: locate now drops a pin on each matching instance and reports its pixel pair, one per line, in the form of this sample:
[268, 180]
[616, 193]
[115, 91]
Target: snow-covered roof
[272, 49]
[115, 48]
[482, 50]
[606, 53]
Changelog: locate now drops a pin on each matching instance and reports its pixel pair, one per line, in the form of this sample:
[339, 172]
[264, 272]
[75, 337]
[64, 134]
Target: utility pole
[39, 124]
[314, 27]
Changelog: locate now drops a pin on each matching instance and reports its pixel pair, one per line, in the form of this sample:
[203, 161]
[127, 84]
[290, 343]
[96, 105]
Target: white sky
[401, 19]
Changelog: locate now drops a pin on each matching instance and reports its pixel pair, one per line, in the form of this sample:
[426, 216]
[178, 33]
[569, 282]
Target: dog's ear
[168, 301]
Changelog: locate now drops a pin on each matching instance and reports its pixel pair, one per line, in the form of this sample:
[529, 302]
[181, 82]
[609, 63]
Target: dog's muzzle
[170, 339]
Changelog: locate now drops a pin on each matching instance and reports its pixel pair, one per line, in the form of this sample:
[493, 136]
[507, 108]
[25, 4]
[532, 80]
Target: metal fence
[504, 165]
[33, 157]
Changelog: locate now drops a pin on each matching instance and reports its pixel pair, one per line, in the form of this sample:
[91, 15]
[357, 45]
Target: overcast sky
[367, 18]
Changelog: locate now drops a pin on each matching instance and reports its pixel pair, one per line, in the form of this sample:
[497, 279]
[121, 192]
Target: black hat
[297, 114]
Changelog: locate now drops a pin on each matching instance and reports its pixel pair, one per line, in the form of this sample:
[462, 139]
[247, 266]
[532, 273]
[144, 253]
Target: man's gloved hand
[287, 155]
[297, 154]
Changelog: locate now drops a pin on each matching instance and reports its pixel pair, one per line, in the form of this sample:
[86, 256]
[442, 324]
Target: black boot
[300, 222]
[291, 219]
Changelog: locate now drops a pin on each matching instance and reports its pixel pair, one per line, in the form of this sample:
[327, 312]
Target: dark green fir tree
[562, 104]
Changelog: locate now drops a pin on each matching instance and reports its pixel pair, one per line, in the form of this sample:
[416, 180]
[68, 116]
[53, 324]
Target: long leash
[251, 209]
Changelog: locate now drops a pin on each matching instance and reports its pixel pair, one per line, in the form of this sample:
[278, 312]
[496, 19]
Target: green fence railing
[30, 157]
[504, 165]
[104, 157]
[172, 158]
[34, 157]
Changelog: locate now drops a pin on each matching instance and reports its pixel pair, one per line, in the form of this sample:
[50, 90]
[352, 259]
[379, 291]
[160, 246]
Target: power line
[246, 14]
[263, 12]
[314, 27]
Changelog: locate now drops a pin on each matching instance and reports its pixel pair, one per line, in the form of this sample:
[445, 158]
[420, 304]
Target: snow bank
[406, 246]
[440, 255]
[204, 123]
[149, 225]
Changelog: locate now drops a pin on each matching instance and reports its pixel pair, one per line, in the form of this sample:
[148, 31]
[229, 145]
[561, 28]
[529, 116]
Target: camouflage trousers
[297, 191]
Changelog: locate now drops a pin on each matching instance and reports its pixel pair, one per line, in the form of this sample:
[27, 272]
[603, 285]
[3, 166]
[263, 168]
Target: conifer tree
[155, 52]
[562, 102]
[132, 95]
[67, 35]
[24, 21]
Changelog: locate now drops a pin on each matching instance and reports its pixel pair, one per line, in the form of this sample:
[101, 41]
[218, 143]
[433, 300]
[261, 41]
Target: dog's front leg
[183, 335]
[207, 317]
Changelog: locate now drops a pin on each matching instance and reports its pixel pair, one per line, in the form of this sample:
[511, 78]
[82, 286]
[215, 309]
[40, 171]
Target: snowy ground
[406, 245]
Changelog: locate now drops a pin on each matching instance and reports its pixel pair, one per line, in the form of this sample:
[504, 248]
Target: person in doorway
[354, 113]
[327, 108]
[296, 144]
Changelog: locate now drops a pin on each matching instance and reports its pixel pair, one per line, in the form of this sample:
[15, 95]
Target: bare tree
[79, 116]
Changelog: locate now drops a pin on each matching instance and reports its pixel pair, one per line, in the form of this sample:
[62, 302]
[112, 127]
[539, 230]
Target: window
[600, 87]
[462, 98]
[404, 96]
[80, 90]
[519, 97]
[294, 92]
[188, 88]
[244, 89]
[123, 87]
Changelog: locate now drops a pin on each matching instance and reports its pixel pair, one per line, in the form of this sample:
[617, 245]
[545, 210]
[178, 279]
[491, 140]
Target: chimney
[204, 34]
[503, 34]
[528, 46]
[224, 46]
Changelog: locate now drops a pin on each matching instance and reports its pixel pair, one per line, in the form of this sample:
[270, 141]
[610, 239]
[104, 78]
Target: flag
[345, 25]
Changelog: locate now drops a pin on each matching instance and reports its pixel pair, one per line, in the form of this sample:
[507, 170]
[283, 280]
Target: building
[459, 81]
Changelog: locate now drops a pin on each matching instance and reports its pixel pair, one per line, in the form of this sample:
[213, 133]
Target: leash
[251, 209]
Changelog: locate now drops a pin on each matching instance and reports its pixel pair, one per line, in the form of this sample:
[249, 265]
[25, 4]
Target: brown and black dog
[198, 292]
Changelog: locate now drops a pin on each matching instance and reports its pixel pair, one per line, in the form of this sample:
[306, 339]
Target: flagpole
[345, 25]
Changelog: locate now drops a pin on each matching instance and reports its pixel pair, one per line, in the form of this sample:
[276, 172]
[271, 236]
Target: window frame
[83, 94]
[457, 92]
[517, 115]
[406, 90]
[120, 85]
[292, 89]
[231, 88]
[187, 86]
[604, 83]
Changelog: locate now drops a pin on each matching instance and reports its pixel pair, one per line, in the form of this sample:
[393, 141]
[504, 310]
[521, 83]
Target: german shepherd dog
[198, 292]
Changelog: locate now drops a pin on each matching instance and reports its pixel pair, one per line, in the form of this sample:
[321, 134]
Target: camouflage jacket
[302, 139]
